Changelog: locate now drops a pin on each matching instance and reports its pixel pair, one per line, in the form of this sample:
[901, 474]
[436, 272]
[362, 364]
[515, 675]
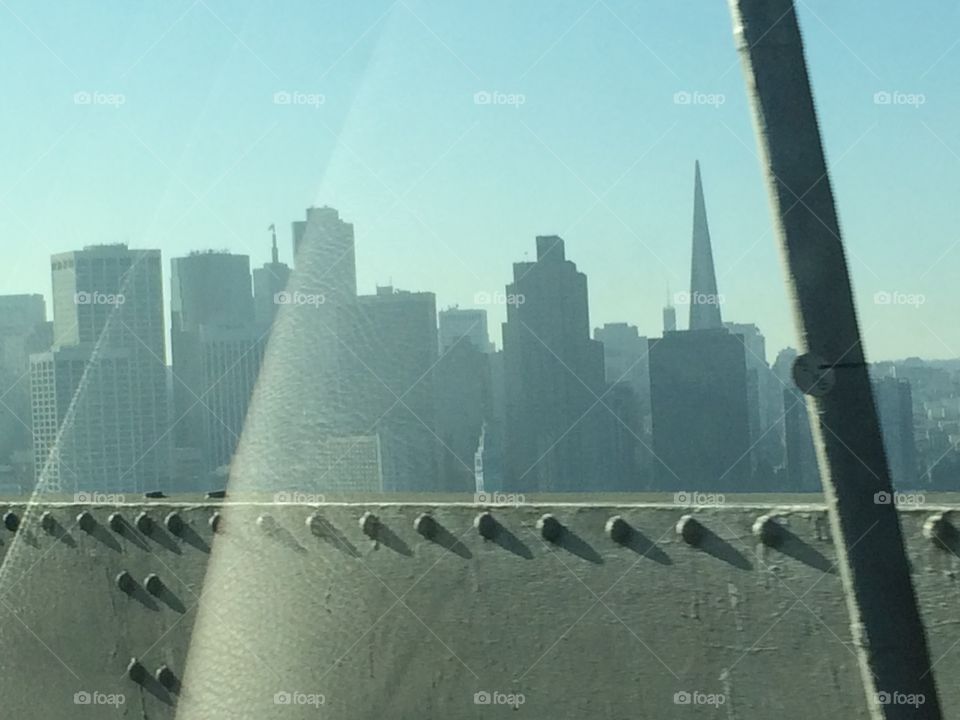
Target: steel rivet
[126, 582]
[939, 530]
[266, 522]
[426, 525]
[116, 522]
[174, 523]
[214, 522]
[11, 521]
[86, 521]
[48, 522]
[315, 523]
[486, 525]
[690, 529]
[136, 671]
[618, 529]
[767, 530]
[166, 677]
[144, 523]
[550, 528]
[369, 523]
[153, 584]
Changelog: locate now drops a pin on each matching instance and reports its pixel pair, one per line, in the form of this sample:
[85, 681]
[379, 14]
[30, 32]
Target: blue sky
[182, 145]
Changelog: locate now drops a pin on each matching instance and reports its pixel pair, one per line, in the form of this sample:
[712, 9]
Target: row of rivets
[153, 584]
[767, 529]
[164, 675]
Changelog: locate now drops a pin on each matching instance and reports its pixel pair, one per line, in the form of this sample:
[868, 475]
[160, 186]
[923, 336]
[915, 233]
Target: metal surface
[401, 623]
[889, 635]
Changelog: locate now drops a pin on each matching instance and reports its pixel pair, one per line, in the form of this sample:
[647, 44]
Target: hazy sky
[158, 124]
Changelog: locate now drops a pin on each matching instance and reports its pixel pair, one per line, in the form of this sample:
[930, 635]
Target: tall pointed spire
[704, 299]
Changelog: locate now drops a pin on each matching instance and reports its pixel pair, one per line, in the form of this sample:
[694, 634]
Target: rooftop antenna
[885, 622]
[275, 254]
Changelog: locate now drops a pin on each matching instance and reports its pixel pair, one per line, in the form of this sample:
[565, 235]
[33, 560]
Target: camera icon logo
[82, 698]
[882, 498]
[482, 698]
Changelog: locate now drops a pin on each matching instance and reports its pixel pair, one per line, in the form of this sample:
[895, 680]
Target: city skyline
[382, 122]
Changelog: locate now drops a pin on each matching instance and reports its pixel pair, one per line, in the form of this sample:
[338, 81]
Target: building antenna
[275, 253]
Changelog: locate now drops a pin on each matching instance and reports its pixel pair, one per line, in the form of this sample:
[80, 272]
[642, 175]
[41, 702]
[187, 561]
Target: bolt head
[369, 524]
[144, 523]
[126, 582]
[174, 523]
[215, 522]
[940, 531]
[86, 521]
[767, 530]
[550, 528]
[48, 522]
[690, 530]
[116, 522]
[136, 671]
[266, 522]
[486, 525]
[618, 529]
[11, 521]
[166, 677]
[426, 525]
[153, 584]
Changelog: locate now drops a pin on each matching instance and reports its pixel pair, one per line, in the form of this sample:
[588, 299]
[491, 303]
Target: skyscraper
[895, 407]
[24, 330]
[269, 282]
[704, 298]
[108, 315]
[554, 375]
[457, 323]
[627, 368]
[217, 351]
[699, 390]
[394, 350]
[329, 242]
